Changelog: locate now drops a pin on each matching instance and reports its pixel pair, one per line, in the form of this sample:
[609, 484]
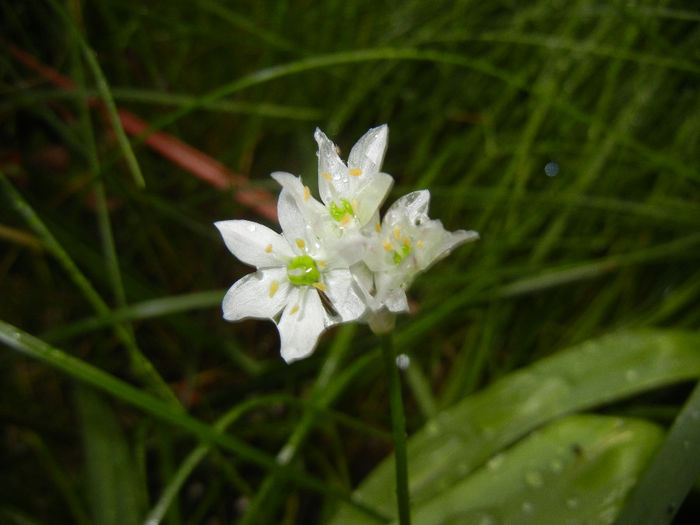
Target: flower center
[339, 212]
[302, 270]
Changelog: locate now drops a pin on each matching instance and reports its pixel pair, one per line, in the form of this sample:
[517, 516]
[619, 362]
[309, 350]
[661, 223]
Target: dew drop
[432, 428]
[403, 361]
[551, 169]
[495, 462]
[534, 479]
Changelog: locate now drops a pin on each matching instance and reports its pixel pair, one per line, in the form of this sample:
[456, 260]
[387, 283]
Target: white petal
[368, 152]
[314, 213]
[344, 294]
[294, 225]
[254, 243]
[413, 206]
[329, 167]
[302, 322]
[372, 195]
[438, 242]
[256, 295]
[390, 293]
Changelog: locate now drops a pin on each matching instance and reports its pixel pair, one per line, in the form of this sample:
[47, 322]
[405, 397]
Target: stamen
[320, 286]
[355, 172]
[397, 233]
[387, 246]
[406, 242]
[378, 226]
[420, 244]
[300, 244]
[307, 193]
[326, 176]
[274, 285]
[294, 309]
[345, 220]
[268, 248]
[322, 264]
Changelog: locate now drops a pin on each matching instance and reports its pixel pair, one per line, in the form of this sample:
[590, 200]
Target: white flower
[406, 244]
[294, 271]
[354, 192]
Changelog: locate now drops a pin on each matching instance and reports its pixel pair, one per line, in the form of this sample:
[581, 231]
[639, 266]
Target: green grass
[123, 280]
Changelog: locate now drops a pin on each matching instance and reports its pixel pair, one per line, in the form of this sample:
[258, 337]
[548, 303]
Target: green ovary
[339, 212]
[302, 270]
[405, 250]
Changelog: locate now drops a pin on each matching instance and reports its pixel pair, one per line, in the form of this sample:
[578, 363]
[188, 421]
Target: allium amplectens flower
[336, 261]
[294, 269]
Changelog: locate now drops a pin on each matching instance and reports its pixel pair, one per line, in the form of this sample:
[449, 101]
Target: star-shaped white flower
[407, 243]
[294, 273]
[354, 192]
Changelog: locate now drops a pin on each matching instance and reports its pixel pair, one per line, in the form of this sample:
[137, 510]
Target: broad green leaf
[463, 438]
[111, 476]
[576, 470]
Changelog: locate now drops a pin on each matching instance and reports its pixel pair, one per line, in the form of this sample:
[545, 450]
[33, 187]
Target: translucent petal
[390, 293]
[370, 197]
[262, 294]
[437, 243]
[302, 322]
[254, 243]
[345, 295]
[412, 206]
[333, 179]
[368, 152]
[314, 213]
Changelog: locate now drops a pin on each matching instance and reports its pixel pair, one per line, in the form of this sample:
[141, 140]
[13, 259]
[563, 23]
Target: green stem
[398, 423]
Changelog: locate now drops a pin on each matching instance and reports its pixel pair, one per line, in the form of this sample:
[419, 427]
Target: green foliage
[205, 419]
[455, 448]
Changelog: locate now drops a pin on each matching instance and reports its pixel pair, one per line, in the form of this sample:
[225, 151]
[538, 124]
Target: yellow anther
[326, 176]
[294, 309]
[355, 172]
[378, 226]
[320, 286]
[274, 285]
[397, 233]
[354, 204]
[307, 193]
[268, 248]
[345, 219]
[420, 244]
[387, 246]
[406, 242]
[322, 264]
[300, 243]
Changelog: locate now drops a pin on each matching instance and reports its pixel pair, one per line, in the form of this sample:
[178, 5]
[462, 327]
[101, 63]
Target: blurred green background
[480, 98]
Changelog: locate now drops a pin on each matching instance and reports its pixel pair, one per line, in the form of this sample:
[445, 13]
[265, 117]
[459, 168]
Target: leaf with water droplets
[465, 437]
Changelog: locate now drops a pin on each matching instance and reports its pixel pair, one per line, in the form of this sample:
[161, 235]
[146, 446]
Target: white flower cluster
[335, 260]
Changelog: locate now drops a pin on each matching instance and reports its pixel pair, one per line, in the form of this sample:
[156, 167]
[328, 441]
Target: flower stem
[398, 423]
